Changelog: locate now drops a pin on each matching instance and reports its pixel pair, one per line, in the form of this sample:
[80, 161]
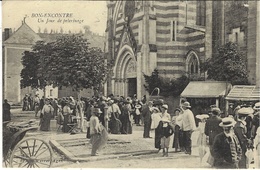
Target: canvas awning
[205, 89]
[244, 93]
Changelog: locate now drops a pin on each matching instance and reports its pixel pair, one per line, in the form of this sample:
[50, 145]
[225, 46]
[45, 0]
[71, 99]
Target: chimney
[7, 32]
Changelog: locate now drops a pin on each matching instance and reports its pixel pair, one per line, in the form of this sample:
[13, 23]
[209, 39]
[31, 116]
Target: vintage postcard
[130, 84]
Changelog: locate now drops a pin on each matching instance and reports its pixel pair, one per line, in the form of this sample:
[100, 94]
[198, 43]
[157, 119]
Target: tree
[69, 62]
[229, 65]
[30, 75]
[168, 87]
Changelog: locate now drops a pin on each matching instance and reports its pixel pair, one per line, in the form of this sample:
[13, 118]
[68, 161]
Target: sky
[80, 13]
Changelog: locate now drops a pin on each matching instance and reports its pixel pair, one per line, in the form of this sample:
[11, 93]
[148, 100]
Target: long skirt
[98, 141]
[157, 139]
[115, 126]
[45, 122]
[65, 127]
[177, 139]
[126, 125]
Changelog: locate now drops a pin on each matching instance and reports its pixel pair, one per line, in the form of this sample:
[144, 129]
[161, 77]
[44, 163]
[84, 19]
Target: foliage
[168, 87]
[229, 65]
[68, 61]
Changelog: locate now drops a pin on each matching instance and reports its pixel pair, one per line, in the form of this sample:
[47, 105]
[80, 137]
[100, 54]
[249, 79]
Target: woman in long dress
[177, 139]
[47, 112]
[98, 133]
[125, 118]
[202, 142]
[66, 113]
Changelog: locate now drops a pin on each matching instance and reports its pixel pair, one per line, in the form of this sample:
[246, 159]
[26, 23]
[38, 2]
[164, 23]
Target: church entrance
[132, 86]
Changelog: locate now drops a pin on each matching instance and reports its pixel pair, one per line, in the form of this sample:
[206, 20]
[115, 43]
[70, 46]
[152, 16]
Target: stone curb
[73, 158]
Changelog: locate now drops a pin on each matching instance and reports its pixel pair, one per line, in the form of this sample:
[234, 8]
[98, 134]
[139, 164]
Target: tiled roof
[24, 35]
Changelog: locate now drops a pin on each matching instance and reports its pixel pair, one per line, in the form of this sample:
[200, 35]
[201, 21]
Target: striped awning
[244, 93]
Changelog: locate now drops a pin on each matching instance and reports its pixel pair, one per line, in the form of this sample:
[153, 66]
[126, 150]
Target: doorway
[132, 86]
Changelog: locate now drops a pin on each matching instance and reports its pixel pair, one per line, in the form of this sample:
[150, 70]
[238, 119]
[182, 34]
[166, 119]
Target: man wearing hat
[212, 128]
[226, 148]
[188, 124]
[240, 131]
[212, 125]
[146, 113]
[231, 109]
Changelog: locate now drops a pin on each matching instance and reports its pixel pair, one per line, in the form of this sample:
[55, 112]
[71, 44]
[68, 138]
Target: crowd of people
[229, 138]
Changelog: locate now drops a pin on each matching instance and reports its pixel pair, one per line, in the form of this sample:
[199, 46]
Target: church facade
[142, 36]
[175, 37]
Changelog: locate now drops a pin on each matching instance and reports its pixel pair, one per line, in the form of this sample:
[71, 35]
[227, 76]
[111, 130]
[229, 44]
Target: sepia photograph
[131, 84]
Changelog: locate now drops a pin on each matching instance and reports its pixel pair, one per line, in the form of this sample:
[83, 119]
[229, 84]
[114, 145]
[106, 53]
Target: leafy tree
[30, 75]
[69, 62]
[168, 87]
[229, 65]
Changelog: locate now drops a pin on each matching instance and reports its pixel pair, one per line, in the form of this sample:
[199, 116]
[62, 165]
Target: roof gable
[24, 35]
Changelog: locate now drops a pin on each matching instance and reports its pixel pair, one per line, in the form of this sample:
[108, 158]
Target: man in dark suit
[240, 131]
[146, 113]
[212, 127]
[226, 147]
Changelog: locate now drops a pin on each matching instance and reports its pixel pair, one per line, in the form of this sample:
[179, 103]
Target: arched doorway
[124, 81]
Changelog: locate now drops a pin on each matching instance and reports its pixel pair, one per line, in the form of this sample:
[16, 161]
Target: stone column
[208, 34]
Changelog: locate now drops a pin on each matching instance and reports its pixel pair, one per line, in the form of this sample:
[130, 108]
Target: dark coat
[212, 128]
[165, 131]
[241, 131]
[146, 113]
[6, 112]
[222, 153]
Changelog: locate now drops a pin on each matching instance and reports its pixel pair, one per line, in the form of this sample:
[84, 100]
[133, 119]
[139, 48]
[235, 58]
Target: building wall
[236, 22]
[152, 28]
[13, 56]
[170, 54]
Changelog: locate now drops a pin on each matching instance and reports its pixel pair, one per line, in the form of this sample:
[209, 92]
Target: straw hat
[186, 105]
[203, 116]
[155, 109]
[227, 122]
[96, 110]
[257, 106]
[165, 106]
[138, 106]
[245, 111]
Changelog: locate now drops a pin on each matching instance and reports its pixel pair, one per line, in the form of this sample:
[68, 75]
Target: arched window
[192, 64]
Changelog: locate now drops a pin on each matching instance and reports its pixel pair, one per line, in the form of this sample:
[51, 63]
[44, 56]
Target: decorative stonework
[131, 68]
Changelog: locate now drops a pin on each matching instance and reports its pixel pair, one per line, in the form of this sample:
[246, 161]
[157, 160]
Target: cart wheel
[31, 153]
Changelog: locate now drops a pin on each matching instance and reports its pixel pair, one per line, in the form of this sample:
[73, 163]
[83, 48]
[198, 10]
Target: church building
[145, 35]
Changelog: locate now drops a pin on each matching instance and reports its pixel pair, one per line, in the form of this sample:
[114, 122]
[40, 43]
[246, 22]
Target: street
[126, 151]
